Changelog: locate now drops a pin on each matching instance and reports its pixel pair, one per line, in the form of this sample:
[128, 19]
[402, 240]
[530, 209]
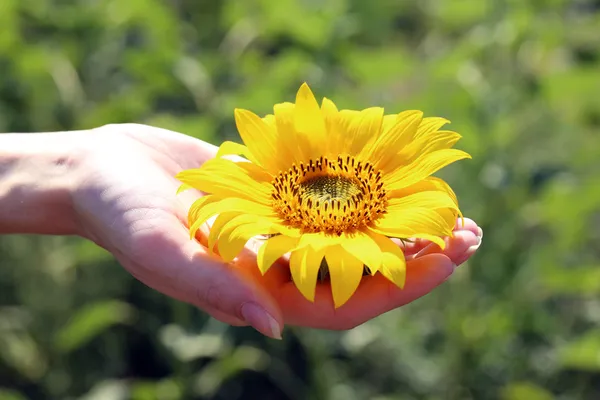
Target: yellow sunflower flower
[330, 185]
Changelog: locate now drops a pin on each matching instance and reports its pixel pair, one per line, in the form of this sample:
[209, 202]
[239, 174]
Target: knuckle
[211, 296]
[224, 294]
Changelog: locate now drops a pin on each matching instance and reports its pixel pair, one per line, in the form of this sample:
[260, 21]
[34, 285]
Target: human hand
[126, 202]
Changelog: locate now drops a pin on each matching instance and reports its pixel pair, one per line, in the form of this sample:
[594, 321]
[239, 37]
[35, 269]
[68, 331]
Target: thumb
[167, 260]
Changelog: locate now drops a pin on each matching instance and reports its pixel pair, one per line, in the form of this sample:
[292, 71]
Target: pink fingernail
[261, 320]
[479, 240]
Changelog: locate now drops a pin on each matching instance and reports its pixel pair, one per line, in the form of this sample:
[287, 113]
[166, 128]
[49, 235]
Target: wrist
[38, 174]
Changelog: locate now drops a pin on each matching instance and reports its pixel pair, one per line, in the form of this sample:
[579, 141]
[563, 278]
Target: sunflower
[331, 188]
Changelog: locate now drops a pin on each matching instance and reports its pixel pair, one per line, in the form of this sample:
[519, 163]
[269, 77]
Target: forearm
[37, 176]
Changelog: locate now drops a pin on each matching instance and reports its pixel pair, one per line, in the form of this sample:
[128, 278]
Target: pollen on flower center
[327, 188]
[329, 196]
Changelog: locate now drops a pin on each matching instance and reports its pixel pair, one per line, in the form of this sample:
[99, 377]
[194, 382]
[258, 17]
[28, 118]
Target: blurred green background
[519, 79]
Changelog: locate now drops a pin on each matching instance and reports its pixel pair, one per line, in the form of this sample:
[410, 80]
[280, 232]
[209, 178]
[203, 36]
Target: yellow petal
[330, 113]
[393, 264]
[298, 146]
[345, 272]
[260, 139]
[361, 246]
[427, 144]
[359, 128]
[418, 222]
[422, 167]
[232, 241]
[388, 122]
[183, 188]
[441, 140]
[240, 220]
[439, 184]
[229, 148]
[280, 227]
[430, 125]
[272, 249]
[430, 183]
[269, 120]
[304, 267]
[430, 199]
[197, 206]
[256, 172]
[230, 247]
[432, 238]
[332, 123]
[226, 178]
[415, 220]
[214, 205]
[286, 150]
[382, 153]
[308, 120]
[217, 226]
[318, 240]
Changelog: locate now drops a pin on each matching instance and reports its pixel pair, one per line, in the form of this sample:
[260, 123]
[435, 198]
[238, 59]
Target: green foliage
[519, 79]
[89, 321]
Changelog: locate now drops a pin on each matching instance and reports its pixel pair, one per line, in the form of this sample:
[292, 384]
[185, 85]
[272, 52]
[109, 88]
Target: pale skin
[115, 185]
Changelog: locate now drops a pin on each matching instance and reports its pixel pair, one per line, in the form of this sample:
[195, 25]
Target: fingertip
[233, 293]
[257, 317]
[458, 248]
[469, 225]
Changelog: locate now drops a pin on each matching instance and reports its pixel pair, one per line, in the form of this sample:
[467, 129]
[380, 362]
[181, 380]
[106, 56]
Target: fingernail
[479, 236]
[261, 320]
[474, 248]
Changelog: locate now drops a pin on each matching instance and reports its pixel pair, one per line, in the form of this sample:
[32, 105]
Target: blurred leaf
[216, 373]
[525, 391]
[20, 351]
[582, 353]
[8, 394]
[575, 281]
[519, 80]
[166, 389]
[90, 321]
[187, 347]
[108, 390]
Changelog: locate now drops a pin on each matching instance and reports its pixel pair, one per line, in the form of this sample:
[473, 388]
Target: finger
[375, 296]
[469, 225]
[225, 318]
[414, 246]
[471, 249]
[456, 246]
[168, 261]
[462, 245]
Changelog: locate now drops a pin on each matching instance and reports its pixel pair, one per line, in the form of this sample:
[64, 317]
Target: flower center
[330, 196]
[330, 188]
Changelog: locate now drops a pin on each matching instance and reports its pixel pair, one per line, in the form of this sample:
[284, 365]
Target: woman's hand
[124, 199]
